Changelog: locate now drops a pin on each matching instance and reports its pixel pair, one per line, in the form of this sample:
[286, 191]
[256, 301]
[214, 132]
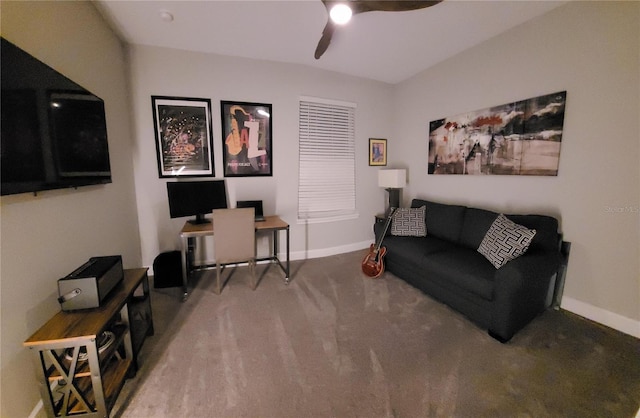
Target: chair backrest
[255, 204]
[234, 235]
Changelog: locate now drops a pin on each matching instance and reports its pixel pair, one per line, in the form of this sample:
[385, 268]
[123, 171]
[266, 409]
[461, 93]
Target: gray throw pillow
[504, 241]
[409, 222]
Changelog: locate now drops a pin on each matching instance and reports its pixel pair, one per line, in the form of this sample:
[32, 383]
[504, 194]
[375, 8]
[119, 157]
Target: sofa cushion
[461, 268]
[409, 222]
[443, 221]
[505, 240]
[475, 226]
[410, 249]
[475, 308]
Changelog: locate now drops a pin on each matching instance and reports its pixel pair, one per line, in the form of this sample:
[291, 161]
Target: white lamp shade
[392, 179]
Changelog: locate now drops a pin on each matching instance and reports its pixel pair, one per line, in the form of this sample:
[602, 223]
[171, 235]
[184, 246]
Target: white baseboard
[325, 252]
[602, 316]
[303, 255]
[36, 409]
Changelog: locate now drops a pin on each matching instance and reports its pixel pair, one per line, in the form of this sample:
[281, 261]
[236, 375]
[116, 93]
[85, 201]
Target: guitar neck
[386, 228]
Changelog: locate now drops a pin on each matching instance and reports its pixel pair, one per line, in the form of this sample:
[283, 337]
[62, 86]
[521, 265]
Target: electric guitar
[373, 262]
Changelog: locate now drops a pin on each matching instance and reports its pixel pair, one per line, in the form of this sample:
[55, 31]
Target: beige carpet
[334, 343]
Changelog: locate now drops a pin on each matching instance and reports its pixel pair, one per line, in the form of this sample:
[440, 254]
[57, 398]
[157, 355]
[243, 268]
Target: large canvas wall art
[521, 138]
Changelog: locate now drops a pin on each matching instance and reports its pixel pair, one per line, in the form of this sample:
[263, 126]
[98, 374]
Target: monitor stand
[200, 219]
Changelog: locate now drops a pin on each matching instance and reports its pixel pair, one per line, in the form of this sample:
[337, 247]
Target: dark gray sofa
[446, 265]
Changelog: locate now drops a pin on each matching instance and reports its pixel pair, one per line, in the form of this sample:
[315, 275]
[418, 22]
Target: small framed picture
[183, 136]
[377, 151]
[246, 139]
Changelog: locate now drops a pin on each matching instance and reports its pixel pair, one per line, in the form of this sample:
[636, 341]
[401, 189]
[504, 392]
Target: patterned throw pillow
[505, 240]
[409, 222]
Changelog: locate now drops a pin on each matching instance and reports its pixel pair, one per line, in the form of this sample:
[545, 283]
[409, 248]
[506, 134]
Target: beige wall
[47, 236]
[227, 78]
[591, 50]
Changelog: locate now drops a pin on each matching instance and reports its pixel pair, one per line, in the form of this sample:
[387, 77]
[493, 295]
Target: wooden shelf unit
[72, 384]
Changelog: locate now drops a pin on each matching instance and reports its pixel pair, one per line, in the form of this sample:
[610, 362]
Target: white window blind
[326, 188]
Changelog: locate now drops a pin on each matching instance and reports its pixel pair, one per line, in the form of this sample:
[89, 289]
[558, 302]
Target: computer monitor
[196, 198]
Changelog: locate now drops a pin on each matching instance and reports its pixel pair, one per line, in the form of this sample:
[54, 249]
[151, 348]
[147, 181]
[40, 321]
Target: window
[327, 183]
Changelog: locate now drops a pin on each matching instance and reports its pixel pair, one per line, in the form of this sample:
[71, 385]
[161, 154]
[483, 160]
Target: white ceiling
[384, 46]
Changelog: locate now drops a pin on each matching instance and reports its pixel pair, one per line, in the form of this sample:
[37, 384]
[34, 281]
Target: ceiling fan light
[340, 13]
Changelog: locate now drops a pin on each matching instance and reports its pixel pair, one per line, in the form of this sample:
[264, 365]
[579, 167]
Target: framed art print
[183, 133]
[246, 139]
[377, 151]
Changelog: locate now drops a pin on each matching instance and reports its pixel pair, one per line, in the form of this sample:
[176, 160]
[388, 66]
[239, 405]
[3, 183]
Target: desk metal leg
[286, 277]
[276, 249]
[185, 267]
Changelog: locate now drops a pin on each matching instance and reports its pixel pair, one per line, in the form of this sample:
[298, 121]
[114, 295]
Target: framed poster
[183, 136]
[246, 139]
[377, 151]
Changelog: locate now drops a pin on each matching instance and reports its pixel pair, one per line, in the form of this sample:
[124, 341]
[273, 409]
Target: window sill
[326, 219]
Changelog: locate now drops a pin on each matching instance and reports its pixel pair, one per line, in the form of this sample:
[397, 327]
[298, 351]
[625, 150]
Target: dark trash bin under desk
[167, 270]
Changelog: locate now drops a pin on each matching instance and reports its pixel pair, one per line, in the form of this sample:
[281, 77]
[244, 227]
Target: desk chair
[234, 241]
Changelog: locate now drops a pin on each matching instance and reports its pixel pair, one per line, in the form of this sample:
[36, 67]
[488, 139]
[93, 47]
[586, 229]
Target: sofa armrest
[520, 292]
[378, 228]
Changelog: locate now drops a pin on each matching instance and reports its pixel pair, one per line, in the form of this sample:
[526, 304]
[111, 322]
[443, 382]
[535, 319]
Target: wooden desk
[190, 232]
[72, 385]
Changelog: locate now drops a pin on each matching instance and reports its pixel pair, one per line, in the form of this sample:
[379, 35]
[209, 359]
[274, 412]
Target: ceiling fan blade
[325, 39]
[361, 6]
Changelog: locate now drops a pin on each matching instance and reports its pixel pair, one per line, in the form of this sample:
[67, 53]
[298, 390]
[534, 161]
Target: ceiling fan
[353, 7]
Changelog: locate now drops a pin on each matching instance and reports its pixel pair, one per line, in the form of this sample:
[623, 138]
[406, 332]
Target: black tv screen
[196, 198]
[54, 132]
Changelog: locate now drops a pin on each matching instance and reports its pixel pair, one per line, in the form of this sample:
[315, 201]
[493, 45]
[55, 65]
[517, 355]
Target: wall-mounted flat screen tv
[54, 132]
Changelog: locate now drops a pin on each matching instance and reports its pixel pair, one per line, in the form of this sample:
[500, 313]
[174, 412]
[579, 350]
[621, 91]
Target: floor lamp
[393, 181]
